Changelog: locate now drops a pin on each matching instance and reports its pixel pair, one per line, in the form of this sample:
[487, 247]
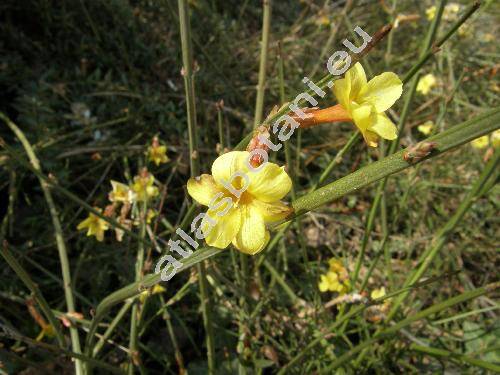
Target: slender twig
[458, 357]
[61, 245]
[264, 46]
[135, 359]
[114, 323]
[370, 221]
[388, 332]
[26, 279]
[187, 59]
[326, 80]
[441, 236]
[445, 141]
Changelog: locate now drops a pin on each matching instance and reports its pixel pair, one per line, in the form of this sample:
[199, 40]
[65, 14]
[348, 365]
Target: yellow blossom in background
[495, 138]
[488, 37]
[157, 153]
[366, 102]
[336, 279]
[450, 12]
[377, 293]
[121, 193]
[431, 12]
[465, 30]
[240, 220]
[426, 127]
[481, 142]
[95, 226]
[155, 290]
[151, 214]
[426, 83]
[143, 187]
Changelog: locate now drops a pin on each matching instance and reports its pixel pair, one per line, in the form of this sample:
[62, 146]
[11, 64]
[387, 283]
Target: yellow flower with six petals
[157, 153]
[336, 279]
[121, 193]
[366, 101]
[143, 187]
[95, 226]
[240, 207]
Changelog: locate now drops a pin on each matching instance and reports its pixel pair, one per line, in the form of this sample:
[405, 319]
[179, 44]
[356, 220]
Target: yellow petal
[377, 293]
[226, 165]
[384, 127]
[323, 284]
[426, 83]
[269, 184]
[84, 224]
[225, 229]
[251, 237]
[272, 212]
[202, 189]
[382, 91]
[357, 77]
[342, 90]
[480, 142]
[362, 116]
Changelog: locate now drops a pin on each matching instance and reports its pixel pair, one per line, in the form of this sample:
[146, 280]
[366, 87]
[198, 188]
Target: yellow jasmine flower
[337, 266]
[157, 153]
[240, 220]
[450, 12]
[95, 226]
[426, 127]
[480, 142]
[426, 83]
[431, 12]
[336, 279]
[121, 193]
[377, 293]
[366, 102]
[143, 186]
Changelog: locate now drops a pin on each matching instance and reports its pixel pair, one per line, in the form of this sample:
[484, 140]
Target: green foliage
[91, 82]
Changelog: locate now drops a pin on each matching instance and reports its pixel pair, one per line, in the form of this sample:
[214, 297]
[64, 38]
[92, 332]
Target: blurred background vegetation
[91, 82]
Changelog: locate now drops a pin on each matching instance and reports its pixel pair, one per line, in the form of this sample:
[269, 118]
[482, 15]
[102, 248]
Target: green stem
[441, 237]
[264, 46]
[431, 51]
[42, 302]
[114, 323]
[485, 123]
[322, 83]
[338, 158]
[187, 57]
[467, 296]
[395, 144]
[136, 307]
[187, 72]
[61, 245]
[442, 353]
[447, 140]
